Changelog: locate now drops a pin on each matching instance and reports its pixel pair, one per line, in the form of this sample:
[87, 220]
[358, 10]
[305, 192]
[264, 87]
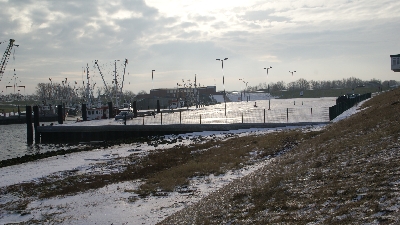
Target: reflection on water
[13, 142]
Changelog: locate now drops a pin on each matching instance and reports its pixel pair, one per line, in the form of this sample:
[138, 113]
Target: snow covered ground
[114, 204]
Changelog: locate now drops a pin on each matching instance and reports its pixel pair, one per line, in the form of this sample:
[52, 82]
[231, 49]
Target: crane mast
[96, 62]
[5, 58]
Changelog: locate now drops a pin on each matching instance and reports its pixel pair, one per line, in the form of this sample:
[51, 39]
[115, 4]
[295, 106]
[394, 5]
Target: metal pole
[287, 114]
[60, 114]
[29, 128]
[115, 80]
[36, 123]
[264, 115]
[84, 112]
[225, 108]
[110, 110]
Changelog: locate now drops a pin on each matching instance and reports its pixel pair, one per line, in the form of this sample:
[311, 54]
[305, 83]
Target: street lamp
[241, 97]
[268, 69]
[267, 74]
[223, 80]
[152, 77]
[292, 72]
[246, 90]
[152, 83]
[196, 92]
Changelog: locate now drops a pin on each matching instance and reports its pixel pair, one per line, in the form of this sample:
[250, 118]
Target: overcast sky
[320, 39]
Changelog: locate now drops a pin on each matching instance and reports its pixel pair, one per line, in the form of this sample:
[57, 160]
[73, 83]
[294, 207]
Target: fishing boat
[176, 104]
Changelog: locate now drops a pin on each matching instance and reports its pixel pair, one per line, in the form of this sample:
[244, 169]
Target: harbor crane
[96, 62]
[5, 57]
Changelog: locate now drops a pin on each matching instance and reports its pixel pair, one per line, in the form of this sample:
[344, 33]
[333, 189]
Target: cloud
[58, 38]
[200, 18]
[263, 15]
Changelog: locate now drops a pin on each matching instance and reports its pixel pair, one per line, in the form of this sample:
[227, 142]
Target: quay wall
[76, 134]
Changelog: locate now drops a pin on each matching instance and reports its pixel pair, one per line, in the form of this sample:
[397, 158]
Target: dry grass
[164, 170]
[167, 169]
[347, 174]
[180, 164]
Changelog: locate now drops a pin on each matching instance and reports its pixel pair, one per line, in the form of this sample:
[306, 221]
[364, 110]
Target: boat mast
[116, 83]
[89, 99]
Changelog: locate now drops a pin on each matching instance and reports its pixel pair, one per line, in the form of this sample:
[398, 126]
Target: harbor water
[13, 142]
[13, 137]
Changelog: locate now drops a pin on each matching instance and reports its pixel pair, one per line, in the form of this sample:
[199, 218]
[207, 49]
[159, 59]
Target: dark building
[167, 95]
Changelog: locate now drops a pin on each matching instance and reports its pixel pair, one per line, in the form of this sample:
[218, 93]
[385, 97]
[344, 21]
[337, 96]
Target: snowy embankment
[114, 203]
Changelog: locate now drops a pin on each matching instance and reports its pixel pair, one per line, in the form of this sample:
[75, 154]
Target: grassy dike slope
[348, 173]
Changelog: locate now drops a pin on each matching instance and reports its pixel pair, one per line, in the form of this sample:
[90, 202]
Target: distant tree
[327, 84]
[142, 92]
[128, 96]
[263, 85]
[353, 82]
[314, 84]
[338, 84]
[278, 86]
[376, 81]
[292, 86]
[303, 84]
[55, 92]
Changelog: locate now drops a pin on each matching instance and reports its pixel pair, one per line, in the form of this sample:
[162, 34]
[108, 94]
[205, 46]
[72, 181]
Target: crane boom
[123, 76]
[101, 74]
[5, 58]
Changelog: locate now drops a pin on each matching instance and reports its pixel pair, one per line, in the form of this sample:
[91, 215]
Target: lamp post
[247, 98]
[292, 76]
[152, 78]
[177, 93]
[267, 74]
[245, 88]
[196, 96]
[152, 84]
[50, 89]
[223, 80]
[241, 98]
[268, 69]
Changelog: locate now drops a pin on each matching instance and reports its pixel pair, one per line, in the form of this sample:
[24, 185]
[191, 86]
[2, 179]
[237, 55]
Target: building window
[394, 62]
